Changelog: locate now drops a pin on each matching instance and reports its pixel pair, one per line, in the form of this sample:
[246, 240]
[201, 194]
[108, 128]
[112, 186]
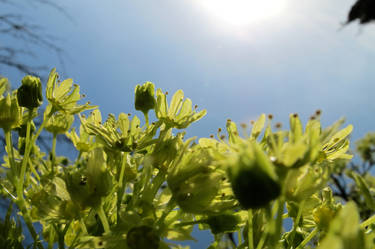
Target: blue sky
[298, 61]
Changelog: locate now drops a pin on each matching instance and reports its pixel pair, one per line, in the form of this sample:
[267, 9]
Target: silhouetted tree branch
[16, 27]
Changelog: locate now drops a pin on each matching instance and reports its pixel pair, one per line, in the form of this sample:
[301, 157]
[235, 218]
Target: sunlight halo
[243, 12]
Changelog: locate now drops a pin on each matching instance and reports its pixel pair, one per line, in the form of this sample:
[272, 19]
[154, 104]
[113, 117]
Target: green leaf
[364, 189]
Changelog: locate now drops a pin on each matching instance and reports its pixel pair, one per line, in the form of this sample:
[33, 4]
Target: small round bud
[144, 97]
[29, 94]
[270, 116]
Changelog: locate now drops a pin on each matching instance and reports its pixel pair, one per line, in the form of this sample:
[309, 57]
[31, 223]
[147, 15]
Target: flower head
[29, 94]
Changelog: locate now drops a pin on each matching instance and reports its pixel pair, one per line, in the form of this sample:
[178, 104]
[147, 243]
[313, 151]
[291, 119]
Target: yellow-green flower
[64, 96]
[179, 114]
[59, 123]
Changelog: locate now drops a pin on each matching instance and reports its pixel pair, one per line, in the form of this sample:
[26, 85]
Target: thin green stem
[21, 203]
[170, 206]
[35, 137]
[250, 231]
[103, 219]
[152, 189]
[8, 140]
[121, 189]
[279, 221]
[239, 236]
[51, 238]
[296, 222]
[146, 118]
[263, 237]
[53, 153]
[189, 223]
[83, 226]
[307, 239]
[26, 216]
[25, 158]
[62, 233]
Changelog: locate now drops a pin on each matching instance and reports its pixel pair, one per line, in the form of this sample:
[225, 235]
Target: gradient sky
[297, 61]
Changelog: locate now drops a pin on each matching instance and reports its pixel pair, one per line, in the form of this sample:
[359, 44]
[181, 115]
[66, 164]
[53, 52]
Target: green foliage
[136, 185]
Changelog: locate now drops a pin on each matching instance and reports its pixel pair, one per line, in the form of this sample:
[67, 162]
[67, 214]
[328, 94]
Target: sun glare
[243, 12]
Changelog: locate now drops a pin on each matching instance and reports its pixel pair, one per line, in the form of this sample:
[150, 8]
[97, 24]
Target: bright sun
[243, 12]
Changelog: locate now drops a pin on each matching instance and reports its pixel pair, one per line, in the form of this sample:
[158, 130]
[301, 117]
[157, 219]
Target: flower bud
[144, 97]
[253, 179]
[29, 94]
[196, 193]
[223, 223]
[10, 115]
[254, 188]
[142, 237]
[59, 123]
[165, 152]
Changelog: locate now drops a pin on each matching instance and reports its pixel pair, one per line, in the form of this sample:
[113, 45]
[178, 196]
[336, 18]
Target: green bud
[59, 123]
[164, 153]
[144, 97]
[99, 180]
[323, 215]
[223, 223]
[142, 237]
[253, 179]
[79, 191]
[195, 194]
[10, 114]
[29, 94]
[254, 188]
